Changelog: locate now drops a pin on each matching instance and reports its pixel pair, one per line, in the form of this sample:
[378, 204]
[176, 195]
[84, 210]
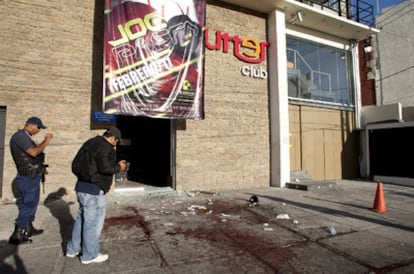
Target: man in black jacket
[95, 176]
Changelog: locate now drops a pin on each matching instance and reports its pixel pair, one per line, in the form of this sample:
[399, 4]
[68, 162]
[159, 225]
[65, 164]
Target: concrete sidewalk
[323, 230]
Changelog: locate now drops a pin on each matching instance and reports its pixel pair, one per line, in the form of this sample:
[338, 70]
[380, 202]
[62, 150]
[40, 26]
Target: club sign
[246, 49]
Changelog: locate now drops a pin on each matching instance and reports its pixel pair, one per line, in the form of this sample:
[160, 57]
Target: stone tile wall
[50, 67]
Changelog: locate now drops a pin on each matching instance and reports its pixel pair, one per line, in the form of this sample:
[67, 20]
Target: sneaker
[72, 255]
[99, 259]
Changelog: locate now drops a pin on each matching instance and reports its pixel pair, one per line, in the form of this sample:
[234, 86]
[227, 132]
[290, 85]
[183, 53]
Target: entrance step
[131, 187]
[301, 180]
[312, 185]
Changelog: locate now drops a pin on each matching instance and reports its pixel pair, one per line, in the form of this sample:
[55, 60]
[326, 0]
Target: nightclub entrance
[147, 144]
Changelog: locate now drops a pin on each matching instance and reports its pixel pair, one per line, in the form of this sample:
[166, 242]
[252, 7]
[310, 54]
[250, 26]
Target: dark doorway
[146, 145]
[390, 151]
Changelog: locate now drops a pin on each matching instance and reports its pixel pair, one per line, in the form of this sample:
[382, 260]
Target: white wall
[395, 81]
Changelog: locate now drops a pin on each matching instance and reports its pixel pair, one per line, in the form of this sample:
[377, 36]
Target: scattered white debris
[210, 202]
[225, 215]
[191, 194]
[265, 224]
[332, 230]
[210, 211]
[268, 229]
[186, 213]
[224, 220]
[194, 207]
[295, 221]
[168, 224]
[283, 216]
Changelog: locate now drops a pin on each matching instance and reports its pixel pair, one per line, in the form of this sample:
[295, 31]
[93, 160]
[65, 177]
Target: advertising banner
[154, 58]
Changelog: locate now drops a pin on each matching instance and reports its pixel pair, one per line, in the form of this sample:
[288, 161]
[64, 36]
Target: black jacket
[101, 165]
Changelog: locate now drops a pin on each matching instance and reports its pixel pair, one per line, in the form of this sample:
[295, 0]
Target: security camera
[299, 15]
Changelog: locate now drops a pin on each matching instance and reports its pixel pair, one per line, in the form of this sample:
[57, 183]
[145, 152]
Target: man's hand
[122, 165]
[48, 137]
[34, 151]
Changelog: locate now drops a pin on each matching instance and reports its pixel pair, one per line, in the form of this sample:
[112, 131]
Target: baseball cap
[114, 131]
[36, 121]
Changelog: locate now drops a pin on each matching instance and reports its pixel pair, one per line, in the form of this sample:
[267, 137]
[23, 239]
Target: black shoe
[31, 231]
[19, 236]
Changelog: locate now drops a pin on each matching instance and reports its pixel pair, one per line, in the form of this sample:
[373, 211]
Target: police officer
[29, 159]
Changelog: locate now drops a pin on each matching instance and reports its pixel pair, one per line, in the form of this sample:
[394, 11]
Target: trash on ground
[268, 229]
[283, 216]
[186, 213]
[194, 207]
[295, 221]
[332, 230]
[253, 201]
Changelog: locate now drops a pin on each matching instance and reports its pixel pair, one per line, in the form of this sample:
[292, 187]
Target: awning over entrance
[313, 17]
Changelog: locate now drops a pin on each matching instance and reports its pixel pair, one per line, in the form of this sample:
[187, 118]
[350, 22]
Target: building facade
[297, 109]
[387, 118]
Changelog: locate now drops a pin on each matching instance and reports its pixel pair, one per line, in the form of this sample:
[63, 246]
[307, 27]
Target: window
[317, 72]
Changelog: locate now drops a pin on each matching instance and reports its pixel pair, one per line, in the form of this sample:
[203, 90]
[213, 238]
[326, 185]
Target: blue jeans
[29, 190]
[88, 226]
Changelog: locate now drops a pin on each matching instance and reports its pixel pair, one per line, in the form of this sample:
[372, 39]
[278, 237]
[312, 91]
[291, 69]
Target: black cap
[35, 121]
[113, 131]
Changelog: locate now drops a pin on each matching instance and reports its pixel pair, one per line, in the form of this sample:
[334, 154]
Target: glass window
[318, 72]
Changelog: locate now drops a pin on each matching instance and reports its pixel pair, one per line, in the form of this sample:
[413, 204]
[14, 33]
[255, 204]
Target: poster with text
[154, 58]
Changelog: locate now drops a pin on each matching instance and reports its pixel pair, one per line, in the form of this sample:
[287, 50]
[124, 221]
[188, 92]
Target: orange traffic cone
[379, 202]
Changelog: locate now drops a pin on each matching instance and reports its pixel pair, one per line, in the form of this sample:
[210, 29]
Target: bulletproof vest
[27, 165]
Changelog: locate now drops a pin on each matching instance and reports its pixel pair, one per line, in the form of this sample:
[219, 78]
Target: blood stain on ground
[128, 221]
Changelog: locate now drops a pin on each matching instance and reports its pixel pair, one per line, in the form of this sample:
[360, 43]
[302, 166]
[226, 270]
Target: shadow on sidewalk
[7, 250]
[336, 212]
[60, 209]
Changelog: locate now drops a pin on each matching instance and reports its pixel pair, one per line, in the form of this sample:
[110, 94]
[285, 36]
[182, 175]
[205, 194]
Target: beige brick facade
[230, 148]
[46, 67]
[50, 66]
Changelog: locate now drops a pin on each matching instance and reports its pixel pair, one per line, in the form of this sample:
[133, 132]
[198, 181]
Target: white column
[279, 105]
[357, 83]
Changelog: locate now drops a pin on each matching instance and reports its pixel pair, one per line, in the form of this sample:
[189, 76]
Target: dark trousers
[29, 189]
